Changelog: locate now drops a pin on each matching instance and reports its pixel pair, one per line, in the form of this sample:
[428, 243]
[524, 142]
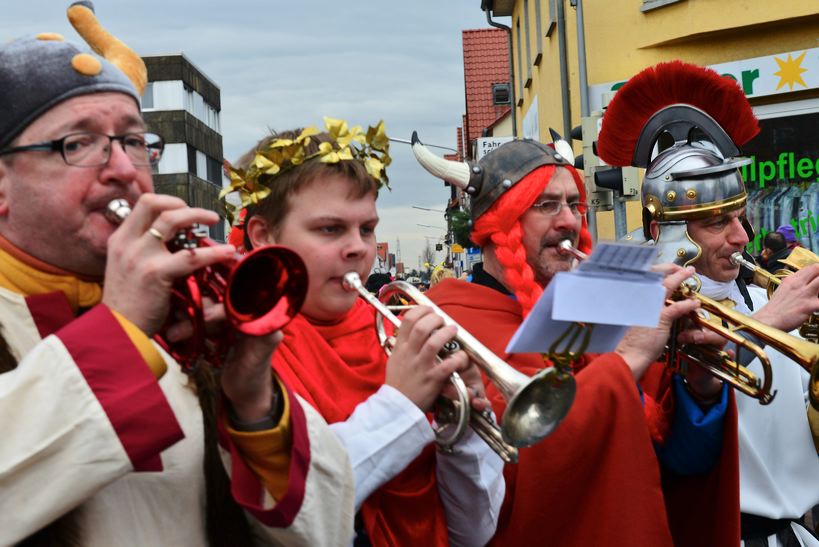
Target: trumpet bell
[538, 407]
[265, 290]
[535, 405]
[261, 292]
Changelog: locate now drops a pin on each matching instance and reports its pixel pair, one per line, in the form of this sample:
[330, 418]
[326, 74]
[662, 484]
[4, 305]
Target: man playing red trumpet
[107, 441]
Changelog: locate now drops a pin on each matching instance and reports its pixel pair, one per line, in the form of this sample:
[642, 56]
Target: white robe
[386, 432]
[778, 464]
[87, 426]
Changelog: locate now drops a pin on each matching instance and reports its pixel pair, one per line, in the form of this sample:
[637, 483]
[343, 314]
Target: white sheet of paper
[613, 291]
[539, 331]
[606, 300]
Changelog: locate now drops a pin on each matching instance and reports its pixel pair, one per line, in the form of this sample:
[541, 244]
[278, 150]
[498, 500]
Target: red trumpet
[261, 291]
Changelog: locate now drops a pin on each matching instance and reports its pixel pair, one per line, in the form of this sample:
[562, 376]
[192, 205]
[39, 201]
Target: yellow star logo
[790, 71]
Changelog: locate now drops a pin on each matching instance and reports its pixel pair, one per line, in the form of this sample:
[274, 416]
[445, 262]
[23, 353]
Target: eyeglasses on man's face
[552, 207]
[94, 149]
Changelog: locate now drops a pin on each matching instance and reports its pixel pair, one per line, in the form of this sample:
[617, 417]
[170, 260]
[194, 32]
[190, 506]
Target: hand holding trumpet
[415, 370]
[140, 270]
[641, 346]
[794, 301]
[140, 275]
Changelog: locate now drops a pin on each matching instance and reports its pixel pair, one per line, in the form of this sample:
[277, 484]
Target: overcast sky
[285, 64]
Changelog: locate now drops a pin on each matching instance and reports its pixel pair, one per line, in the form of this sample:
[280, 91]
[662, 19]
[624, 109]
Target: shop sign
[484, 145]
[473, 256]
[758, 77]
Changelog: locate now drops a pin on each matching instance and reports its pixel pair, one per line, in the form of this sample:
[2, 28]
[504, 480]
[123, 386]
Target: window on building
[165, 95]
[212, 118]
[539, 32]
[551, 24]
[196, 105]
[528, 39]
[148, 96]
[174, 160]
[649, 5]
[520, 64]
[189, 99]
[199, 107]
[201, 165]
[501, 94]
[191, 159]
[214, 171]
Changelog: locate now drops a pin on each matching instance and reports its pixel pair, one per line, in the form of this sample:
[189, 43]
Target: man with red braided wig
[627, 456]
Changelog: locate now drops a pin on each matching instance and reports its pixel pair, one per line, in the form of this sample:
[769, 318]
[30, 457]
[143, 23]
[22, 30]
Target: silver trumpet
[565, 247]
[535, 405]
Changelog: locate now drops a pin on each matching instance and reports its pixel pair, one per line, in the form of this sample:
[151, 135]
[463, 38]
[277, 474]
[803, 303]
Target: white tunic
[779, 467]
[386, 432]
[87, 426]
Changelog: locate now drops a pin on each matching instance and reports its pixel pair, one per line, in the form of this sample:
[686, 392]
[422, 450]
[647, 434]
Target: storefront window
[782, 179]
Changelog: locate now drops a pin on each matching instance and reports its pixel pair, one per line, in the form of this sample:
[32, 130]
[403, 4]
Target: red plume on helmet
[669, 84]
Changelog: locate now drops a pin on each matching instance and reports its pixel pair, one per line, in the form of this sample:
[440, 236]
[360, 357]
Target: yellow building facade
[770, 48]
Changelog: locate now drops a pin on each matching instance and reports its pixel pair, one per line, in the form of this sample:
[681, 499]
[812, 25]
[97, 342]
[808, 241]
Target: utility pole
[584, 98]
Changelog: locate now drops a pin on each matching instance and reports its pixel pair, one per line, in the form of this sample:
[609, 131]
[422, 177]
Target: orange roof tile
[486, 62]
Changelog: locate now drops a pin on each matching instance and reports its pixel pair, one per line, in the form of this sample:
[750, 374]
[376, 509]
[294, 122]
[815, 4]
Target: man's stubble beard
[546, 267]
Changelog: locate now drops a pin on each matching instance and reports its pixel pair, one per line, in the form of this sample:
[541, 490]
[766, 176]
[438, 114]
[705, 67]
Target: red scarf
[336, 367]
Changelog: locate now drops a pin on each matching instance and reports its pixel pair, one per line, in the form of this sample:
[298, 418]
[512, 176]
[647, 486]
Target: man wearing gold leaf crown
[315, 193]
[684, 124]
[107, 441]
[608, 472]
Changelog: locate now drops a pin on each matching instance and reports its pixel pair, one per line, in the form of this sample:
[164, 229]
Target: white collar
[720, 290]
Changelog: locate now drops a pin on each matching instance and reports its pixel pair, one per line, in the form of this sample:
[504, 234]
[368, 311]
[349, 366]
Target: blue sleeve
[694, 443]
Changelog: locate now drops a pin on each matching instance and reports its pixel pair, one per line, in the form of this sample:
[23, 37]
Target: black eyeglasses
[552, 207]
[94, 149]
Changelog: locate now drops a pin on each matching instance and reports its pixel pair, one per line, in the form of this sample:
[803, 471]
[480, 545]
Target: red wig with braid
[500, 224]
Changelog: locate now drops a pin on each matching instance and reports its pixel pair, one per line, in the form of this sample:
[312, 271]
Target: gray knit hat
[37, 74]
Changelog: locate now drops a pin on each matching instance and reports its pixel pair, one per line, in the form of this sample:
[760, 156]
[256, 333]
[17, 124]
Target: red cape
[336, 367]
[596, 479]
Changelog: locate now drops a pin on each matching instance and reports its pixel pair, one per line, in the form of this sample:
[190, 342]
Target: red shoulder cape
[596, 479]
[336, 367]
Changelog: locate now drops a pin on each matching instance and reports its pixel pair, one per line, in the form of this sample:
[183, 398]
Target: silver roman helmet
[683, 124]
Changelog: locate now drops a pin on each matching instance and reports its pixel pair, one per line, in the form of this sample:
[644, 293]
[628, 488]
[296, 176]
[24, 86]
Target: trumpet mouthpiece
[738, 260]
[565, 247]
[117, 210]
[351, 281]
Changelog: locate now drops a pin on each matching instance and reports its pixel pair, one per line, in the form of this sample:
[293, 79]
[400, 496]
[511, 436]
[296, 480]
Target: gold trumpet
[805, 353]
[720, 363]
[717, 362]
[799, 258]
[534, 405]
[805, 356]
